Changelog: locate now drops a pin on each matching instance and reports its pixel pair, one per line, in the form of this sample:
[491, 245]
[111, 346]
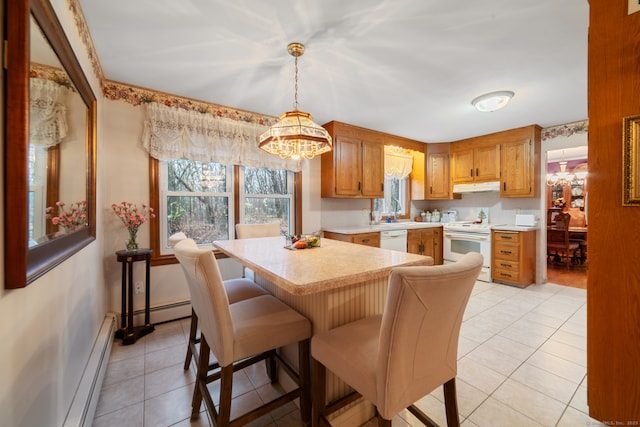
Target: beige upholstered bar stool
[400, 356]
[237, 290]
[239, 335]
[251, 231]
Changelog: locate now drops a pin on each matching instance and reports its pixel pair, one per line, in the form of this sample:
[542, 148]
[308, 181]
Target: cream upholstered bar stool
[400, 356]
[237, 290]
[251, 231]
[240, 335]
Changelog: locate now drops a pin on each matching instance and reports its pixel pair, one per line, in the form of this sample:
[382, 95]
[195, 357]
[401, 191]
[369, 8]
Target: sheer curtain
[175, 133]
[397, 162]
[47, 112]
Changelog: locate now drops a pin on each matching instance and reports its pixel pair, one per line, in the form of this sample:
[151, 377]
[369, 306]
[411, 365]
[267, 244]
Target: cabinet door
[372, 169]
[438, 186]
[348, 166]
[487, 163]
[432, 244]
[414, 241]
[462, 166]
[517, 173]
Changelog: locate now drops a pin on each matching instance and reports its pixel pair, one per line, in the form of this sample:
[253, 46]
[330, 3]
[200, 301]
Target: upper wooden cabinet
[478, 164]
[355, 166]
[438, 182]
[511, 157]
[521, 162]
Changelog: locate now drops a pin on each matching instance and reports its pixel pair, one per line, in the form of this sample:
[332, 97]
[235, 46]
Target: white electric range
[461, 237]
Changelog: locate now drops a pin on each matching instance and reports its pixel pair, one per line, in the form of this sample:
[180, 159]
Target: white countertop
[383, 226]
[512, 227]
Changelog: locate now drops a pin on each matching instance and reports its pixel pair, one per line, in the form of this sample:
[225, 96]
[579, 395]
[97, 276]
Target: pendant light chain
[296, 105]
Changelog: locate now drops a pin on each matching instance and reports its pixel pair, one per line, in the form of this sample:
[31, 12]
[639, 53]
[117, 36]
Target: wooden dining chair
[396, 358]
[240, 335]
[236, 289]
[558, 243]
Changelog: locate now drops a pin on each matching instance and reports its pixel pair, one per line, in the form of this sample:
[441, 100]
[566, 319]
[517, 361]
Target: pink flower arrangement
[131, 216]
[70, 219]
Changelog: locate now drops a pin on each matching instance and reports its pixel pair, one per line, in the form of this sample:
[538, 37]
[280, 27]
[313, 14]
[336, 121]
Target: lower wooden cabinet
[426, 241]
[513, 258]
[368, 239]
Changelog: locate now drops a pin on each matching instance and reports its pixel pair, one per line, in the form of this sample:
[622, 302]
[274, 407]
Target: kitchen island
[331, 285]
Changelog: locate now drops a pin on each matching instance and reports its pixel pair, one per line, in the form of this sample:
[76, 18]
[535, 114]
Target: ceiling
[405, 67]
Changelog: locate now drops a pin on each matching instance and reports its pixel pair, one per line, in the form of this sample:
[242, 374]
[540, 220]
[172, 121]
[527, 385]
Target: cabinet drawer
[505, 251]
[502, 264]
[368, 239]
[506, 275]
[505, 236]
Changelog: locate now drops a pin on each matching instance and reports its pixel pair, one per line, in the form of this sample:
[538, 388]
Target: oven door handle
[468, 236]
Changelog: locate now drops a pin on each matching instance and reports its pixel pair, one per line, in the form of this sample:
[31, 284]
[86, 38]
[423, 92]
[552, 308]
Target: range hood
[477, 187]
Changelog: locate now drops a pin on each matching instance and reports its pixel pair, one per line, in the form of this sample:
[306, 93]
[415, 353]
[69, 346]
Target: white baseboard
[163, 313]
[83, 406]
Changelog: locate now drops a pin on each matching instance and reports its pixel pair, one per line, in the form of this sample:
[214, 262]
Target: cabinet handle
[506, 252]
[359, 186]
[477, 171]
[471, 172]
[505, 265]
[506, 237]
[505, 274]
[431, 190]
[382, 187]
[365, 241]
[504, 186]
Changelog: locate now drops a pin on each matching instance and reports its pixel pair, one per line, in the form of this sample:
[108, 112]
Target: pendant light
[296, 135]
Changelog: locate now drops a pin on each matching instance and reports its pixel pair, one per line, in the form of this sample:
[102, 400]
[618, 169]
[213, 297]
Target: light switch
[634, 6]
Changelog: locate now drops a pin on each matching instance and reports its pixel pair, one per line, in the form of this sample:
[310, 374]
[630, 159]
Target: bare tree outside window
[267, 197]
[197, 201]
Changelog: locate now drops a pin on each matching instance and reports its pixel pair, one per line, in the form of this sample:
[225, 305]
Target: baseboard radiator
[83, 406]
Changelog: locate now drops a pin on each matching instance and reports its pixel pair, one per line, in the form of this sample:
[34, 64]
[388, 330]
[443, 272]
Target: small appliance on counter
[526, 220]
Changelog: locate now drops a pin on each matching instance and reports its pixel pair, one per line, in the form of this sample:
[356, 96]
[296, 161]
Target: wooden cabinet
[438, 181]
[478, 164]
[520, 160]
[513, 258]
[367, 239]
[355, 166]
[426, 241]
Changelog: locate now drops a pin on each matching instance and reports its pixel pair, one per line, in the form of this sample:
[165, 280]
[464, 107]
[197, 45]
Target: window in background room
[266, 196]
[197, 199]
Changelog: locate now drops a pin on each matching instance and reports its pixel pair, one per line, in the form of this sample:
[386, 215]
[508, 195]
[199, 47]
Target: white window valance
[47, 112]
[175, 133]
[397, 162]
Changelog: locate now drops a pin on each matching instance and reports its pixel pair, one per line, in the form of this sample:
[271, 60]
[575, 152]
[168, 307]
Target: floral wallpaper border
[565, 130]
[46, 72]
[85, 36]
[138, 96]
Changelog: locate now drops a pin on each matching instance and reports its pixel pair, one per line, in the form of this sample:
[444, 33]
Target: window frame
[155, 193]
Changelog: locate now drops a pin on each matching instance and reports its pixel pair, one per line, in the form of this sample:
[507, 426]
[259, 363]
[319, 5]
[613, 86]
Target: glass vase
[132, 244]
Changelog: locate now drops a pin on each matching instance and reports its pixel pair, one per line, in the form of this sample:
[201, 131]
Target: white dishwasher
[394, 239]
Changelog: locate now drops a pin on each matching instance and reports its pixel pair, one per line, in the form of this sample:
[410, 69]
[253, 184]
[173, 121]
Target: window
[267, 196]
[395, 197]
[200, 199]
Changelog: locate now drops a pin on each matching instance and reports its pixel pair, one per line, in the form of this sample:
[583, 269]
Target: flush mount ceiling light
[296, 135]
[492, 101]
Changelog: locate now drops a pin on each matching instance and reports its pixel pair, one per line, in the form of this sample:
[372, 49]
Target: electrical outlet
[634, 6]
[139, 288]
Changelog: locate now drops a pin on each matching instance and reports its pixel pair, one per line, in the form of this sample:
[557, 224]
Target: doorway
[567, 192]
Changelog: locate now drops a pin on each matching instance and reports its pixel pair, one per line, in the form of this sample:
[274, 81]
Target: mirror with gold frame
[50, 148]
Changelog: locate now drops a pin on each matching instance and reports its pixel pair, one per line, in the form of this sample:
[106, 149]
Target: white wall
[47, 329]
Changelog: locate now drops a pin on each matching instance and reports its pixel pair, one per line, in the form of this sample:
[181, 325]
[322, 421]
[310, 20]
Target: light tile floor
[522, 362]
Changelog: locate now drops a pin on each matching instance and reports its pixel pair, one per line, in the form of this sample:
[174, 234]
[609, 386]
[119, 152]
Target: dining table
[332, 284]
